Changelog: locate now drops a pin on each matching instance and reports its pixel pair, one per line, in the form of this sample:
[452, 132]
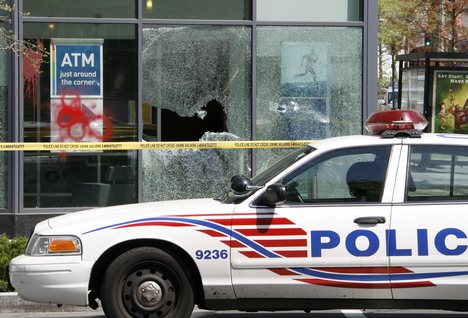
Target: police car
[375, 221]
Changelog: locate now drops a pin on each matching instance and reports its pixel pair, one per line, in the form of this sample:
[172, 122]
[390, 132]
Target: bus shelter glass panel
[310, 10]
[309, 85]
[83, 89]
[4, 80]
[196, 87]
[82, 8]
[198, 9]
[412, 91]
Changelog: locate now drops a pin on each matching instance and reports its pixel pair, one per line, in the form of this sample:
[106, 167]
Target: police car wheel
[146, 282]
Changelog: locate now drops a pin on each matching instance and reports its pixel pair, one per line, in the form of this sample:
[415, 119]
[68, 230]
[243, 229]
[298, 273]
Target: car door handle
[370, 220]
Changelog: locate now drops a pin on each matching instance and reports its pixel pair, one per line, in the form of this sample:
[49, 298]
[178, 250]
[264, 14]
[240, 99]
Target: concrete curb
[11, 303]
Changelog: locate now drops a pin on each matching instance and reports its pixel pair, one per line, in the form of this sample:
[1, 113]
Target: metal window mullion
[253, 116]
[369, 56]
[80, 20]
[364, 64]
[139, 108]
[16, 184]
[311, 23]
[196, 22]
[12, 111]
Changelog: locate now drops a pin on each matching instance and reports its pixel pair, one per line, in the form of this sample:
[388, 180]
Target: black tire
[146, 282]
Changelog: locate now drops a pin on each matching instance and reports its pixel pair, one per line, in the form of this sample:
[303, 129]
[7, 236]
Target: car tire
[146, 282]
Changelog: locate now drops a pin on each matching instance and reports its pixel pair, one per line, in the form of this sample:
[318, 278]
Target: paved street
[236, 314]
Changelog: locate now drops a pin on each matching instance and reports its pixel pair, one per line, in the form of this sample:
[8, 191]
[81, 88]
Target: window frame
[368, 24]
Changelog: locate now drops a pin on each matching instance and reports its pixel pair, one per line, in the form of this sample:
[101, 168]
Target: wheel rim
[149, 293]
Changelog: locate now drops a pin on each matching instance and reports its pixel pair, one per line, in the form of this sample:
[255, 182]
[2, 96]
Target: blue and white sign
[76, 66]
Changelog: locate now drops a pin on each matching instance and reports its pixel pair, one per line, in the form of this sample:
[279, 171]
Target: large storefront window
[198, 9]
[309, 84]
[3, 122]
[83, 8]
[310, 10]
[196, 86]
[85, 90]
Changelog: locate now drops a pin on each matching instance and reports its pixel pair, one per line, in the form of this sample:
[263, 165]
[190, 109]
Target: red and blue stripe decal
[257, 235]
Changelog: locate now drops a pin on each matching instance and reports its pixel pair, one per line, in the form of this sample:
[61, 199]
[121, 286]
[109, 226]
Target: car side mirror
[274, 195]
[240, 184]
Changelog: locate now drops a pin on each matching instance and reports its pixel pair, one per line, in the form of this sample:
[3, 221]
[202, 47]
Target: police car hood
[88, 220]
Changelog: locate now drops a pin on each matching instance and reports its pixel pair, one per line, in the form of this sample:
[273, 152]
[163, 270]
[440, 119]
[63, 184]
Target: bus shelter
[436, 84]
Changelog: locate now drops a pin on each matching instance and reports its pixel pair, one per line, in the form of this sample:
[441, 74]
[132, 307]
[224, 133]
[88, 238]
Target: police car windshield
[265, 176]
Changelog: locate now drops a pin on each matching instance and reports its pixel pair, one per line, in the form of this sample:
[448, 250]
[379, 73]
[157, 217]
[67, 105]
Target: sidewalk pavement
[11, 303]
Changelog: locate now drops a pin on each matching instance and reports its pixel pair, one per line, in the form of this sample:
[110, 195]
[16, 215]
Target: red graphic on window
[79, 120]
[31, 71]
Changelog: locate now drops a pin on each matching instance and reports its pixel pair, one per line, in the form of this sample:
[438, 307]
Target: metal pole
[393, 81]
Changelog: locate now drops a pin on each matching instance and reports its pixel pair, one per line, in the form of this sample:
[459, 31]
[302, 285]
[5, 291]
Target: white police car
[358, 222]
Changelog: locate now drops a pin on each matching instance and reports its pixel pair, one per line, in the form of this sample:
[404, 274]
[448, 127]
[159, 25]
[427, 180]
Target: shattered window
[309, 85]
[196, 86]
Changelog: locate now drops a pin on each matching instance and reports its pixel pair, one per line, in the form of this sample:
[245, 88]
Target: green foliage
[418, 26]
[9, 248]
[404, 25]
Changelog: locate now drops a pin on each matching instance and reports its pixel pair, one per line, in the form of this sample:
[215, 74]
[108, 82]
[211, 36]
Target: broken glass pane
[196, 86]
[309, 84]
[192, 173]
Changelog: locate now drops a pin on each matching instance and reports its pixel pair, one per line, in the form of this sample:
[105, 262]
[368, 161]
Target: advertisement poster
[305, 89]
[450, 102]
[76, 90]
[76, 65]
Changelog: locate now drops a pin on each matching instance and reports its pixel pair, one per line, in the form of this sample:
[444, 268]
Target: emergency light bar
[396, 123]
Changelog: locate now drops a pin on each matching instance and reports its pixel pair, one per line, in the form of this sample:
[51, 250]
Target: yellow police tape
[98, 146]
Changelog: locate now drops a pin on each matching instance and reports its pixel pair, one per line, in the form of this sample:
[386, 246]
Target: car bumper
[52, 279]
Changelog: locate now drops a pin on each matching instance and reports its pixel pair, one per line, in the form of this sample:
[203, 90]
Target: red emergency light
[396, 122]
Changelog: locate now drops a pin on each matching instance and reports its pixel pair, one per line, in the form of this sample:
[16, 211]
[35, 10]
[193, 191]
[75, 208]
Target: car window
[265, 176]
[261, 179]
[346, 175]
[437, 173]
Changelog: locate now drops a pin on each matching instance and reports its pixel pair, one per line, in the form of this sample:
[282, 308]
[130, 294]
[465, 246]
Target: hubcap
[149, 294]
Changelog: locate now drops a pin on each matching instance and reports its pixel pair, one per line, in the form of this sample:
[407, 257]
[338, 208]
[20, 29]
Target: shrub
[9, 248]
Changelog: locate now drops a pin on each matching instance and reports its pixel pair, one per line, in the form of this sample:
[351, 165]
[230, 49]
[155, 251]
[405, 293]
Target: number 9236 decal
[211, 254]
